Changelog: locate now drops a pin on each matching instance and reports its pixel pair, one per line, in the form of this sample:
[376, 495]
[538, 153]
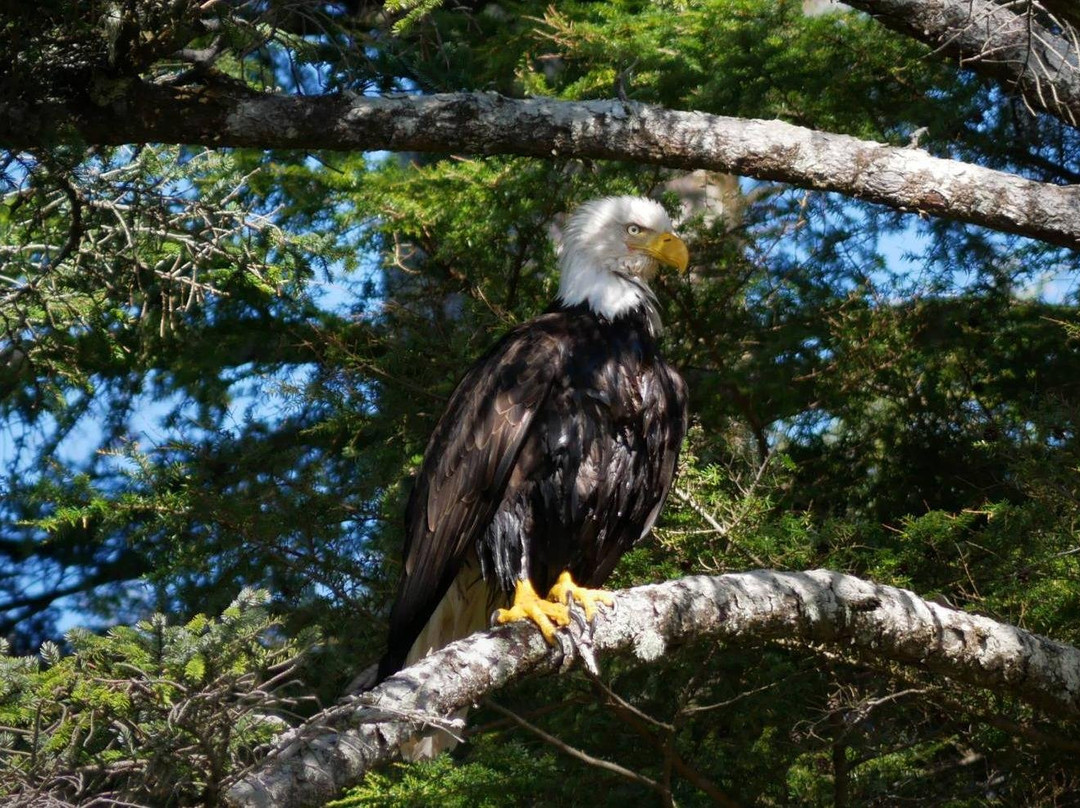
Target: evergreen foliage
[219, 368]
[151, 714]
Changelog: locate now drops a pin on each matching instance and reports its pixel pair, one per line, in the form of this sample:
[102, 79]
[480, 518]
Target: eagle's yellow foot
[528, 605]
[587, 598]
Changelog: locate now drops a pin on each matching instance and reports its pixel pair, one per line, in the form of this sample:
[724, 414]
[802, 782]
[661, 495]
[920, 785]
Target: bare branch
[486, 123]
[333, 750]
[1004, 41]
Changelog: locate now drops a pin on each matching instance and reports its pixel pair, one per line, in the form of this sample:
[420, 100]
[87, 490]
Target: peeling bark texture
[332, 751]
[486, 123]
[1005, 41]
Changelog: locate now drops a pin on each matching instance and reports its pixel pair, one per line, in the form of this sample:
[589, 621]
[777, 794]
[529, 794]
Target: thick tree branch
[335, 749]
[480, 123]
[1004, 41]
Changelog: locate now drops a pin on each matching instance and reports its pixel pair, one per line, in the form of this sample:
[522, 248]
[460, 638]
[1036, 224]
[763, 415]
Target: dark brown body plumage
[556, 452]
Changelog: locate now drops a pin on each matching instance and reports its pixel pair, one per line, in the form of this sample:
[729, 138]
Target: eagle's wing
[468, 461]
[664, 433]
[628, 485]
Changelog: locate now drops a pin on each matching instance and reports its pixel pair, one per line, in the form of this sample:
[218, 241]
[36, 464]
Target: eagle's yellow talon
[587, 598]
[528, 605]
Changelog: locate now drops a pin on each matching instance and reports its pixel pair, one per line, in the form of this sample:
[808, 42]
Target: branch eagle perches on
[333, 750]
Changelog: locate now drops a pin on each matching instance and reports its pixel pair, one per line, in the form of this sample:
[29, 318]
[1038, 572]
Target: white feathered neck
[596, 265]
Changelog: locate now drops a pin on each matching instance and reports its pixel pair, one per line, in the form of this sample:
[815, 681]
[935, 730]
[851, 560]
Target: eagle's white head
[612, 248]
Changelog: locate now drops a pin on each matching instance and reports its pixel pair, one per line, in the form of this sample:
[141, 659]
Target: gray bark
[479, 123]
[333, 751]
[1003, 41]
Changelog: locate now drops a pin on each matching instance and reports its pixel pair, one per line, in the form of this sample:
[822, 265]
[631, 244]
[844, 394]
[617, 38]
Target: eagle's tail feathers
[464, 609]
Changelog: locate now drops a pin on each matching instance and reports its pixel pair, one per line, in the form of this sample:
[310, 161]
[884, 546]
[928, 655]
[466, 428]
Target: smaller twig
[574, 752]
[719, 705]
[502, 723]
[664, 741]
[725, 531]
[620, 702]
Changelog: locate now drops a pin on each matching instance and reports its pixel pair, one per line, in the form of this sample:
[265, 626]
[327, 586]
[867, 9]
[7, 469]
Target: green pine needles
[150, 714]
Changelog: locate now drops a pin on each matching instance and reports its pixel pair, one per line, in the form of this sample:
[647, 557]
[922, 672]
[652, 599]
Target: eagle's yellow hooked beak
[669, 249]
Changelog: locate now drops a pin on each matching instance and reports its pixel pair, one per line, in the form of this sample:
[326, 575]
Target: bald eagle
[556, 451]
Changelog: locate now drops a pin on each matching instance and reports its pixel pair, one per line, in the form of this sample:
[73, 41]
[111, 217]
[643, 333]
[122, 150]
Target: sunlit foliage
[218, 370]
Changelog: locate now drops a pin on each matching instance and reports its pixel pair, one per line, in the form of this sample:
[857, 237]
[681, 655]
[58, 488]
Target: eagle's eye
[633, 229]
